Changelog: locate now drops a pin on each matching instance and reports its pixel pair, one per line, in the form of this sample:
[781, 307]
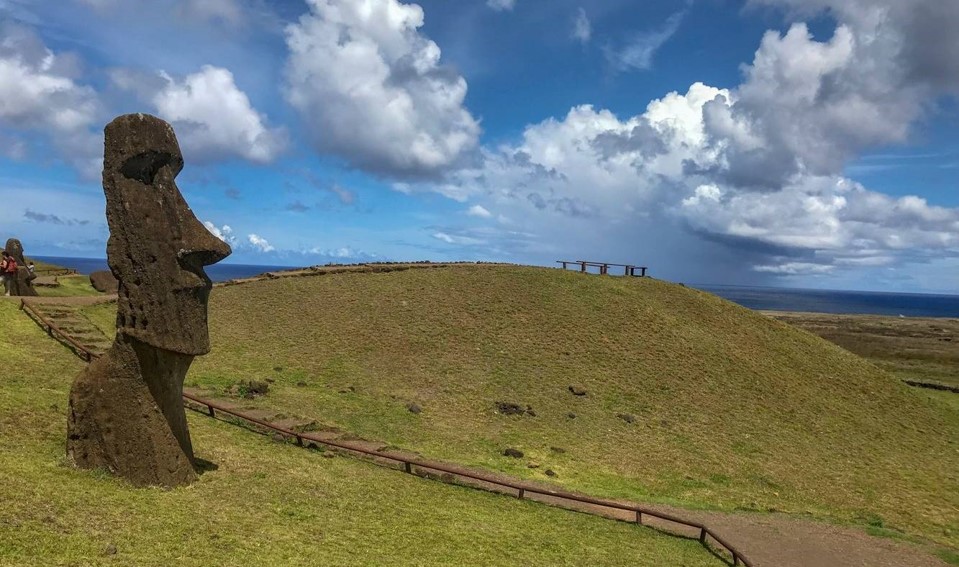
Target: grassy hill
[689, 399]
[266, 503]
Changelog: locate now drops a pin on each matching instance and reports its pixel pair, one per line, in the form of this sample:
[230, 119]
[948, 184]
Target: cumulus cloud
[757, 169]
[214, 119]
[39, 93]
[637, 53]
[501, 5]
[370, 88]
[342, 253]
[224, 233]
[582, 28]
[259, 243]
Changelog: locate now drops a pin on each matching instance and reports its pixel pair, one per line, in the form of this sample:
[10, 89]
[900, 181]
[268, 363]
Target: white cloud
[212, 116]
[458, 239]
[344, 252]
[479, 211]
[38, 92]
[371, 89]
[756, 170]
[260, 243]
[795, 269]
[501, 5]
[226, 11]
[637, 52]
[224, 233]
[582, 29]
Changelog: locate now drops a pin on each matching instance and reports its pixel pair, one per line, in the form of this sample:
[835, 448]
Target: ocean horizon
[754, 297]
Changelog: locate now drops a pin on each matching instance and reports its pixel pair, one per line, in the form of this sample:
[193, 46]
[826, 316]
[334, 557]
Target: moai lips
[126, 408]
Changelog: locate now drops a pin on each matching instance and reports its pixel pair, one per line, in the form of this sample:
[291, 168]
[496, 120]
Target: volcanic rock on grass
[249, 389]
[507, 408]
[126, 410]
[514, 453]
[414, 408]
[577, 390]
[104, 282]
[627, 417]
[22, 283]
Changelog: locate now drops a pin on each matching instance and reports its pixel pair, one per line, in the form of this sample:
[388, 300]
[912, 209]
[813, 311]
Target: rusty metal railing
[52, 329]
[523, 490]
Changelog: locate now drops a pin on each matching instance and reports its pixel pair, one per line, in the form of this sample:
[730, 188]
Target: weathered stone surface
[22, 284]
[104, 282]
[126, 410]
[514, 453]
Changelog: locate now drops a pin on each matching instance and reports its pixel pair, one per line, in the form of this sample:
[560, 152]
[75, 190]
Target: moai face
[157, 247]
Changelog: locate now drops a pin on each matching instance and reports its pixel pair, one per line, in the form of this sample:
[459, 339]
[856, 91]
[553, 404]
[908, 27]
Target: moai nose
[200, 246]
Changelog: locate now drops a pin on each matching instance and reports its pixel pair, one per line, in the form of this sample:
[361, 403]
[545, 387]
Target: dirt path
[83, 301]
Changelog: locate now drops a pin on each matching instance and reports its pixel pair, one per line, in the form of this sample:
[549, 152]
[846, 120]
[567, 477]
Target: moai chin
[126, 409]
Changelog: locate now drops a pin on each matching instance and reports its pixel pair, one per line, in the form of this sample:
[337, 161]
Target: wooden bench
[628, 269]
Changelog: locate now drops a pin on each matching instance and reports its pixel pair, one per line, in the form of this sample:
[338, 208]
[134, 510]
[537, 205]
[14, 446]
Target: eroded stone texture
[126, 410]
[104, 282]
[22, 285]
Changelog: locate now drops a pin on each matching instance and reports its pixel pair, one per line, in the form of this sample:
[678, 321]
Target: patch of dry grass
[912, 348]
[266, 503]
[732, 410]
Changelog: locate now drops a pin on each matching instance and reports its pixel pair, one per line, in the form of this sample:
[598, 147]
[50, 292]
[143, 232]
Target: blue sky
[770, 142]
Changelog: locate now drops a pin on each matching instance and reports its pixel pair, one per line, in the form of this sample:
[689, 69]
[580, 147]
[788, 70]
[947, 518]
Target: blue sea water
[766, 298]
[217, 272]
[836, 301]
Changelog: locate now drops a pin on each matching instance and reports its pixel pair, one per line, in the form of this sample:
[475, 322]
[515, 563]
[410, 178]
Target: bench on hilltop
[628, 269]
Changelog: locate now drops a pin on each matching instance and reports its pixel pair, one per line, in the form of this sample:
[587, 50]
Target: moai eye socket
[144, 167]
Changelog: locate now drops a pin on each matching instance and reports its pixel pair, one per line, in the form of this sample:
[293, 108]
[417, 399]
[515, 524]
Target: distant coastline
[838, 301]
[217, 272]
[759, 298]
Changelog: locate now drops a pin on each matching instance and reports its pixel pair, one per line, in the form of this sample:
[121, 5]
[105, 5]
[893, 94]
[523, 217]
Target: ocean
[838, 301]
[218, 272]
[764, 298]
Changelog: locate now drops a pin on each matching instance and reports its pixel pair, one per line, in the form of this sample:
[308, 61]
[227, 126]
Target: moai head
[157, 247]
[15, 249]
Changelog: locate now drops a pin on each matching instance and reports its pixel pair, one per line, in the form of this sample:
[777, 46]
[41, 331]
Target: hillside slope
[265, 503]
[689, 399]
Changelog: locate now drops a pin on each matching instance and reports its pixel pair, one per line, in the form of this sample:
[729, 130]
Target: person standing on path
[8, 271]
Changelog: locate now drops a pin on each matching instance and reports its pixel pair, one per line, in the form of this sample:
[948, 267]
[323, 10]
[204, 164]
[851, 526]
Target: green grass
[733, 410]
[950, 557]
[924, 349]
[70, 286]
[266, 503]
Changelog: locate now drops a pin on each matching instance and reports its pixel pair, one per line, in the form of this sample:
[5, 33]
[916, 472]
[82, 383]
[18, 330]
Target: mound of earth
[727, 408]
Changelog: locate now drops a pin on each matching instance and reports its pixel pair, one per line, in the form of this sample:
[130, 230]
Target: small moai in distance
[22, 284]
[126, 410]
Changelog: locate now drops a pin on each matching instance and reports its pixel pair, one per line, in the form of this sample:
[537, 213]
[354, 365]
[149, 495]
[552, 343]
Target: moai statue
[22, 284]
[126, 409]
